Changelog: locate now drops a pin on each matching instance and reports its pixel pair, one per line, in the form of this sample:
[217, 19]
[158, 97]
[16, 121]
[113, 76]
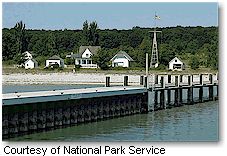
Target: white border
[173, 148]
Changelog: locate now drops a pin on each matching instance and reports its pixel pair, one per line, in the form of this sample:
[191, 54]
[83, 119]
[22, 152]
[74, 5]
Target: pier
[31, 112]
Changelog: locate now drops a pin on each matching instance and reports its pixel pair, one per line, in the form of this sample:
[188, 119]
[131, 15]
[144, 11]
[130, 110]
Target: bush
[160, 67]
[77, 67]
[53, 67]
[120, 68]
[8, 62]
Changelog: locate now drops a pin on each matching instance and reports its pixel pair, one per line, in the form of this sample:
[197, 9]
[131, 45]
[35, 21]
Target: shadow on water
[187, 123]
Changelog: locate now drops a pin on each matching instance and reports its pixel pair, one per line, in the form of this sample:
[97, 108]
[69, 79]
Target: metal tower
[154, 53]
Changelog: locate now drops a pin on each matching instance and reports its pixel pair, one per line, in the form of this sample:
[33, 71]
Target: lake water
[197, 122]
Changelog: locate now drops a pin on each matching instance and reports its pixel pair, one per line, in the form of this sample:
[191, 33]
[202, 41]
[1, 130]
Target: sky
[55, 16]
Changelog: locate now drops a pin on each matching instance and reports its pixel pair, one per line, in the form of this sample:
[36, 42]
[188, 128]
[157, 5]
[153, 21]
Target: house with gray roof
[30, 64]
[55, 60]
[121, 59]
[28, 55]
[84, 57]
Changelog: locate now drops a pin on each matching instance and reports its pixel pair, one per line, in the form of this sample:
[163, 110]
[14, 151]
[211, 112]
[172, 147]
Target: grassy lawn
[10, 69]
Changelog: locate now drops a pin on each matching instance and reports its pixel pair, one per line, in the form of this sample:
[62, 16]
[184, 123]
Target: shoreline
[67, 78]
[63, 78]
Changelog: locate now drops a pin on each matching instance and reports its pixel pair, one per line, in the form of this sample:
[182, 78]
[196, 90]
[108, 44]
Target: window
[88, 61]
[175, 60]
[87, 55]
[79, 61]
[83, 61]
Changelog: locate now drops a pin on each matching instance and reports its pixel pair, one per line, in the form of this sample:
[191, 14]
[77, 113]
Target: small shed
[55, 60]
[30, 64]
[176, 64]
[121, 59]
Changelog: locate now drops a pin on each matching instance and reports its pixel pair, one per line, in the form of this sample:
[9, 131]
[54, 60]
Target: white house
[27, 55]
[84, 57]
[30, 64]
[176, 64]
[55, 60]
[121, 59]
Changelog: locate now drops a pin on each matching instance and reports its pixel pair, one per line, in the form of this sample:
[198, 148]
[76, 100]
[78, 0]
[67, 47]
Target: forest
[196, 46]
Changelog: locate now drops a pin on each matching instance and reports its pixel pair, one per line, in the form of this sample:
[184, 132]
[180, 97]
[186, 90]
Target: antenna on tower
[154, 53]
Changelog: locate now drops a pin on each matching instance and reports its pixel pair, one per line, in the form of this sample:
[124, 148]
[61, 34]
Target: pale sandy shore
[79, 78]
[67, 78]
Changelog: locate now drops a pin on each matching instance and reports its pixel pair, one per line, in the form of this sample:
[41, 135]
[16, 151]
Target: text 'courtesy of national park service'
[79, 150]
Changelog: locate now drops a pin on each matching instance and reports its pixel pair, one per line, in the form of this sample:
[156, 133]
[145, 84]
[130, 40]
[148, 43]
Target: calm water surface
[197, 122]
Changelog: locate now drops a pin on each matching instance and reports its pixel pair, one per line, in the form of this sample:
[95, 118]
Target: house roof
[75, 55]
[176, 58]
[31, 60]
[31, 52]
[122, 54]
[93, 49]
[55, 57]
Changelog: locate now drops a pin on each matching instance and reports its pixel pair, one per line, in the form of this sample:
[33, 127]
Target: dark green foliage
[69, 61]
[77, 66]
[90, 34]
[166, 54]
[194, 62]
[173, 41]
[102, 59]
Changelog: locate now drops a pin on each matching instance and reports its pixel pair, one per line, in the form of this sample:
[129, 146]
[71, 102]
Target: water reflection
[188, 123]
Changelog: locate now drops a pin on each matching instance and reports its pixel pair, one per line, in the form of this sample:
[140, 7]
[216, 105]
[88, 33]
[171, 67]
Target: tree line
[198, 46]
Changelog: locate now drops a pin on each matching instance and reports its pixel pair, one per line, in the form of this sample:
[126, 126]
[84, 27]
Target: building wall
[92, 65]
[49, 62]
[171, 63]
[29, 64]
[122, 62]
[28, 55]
[86, 54]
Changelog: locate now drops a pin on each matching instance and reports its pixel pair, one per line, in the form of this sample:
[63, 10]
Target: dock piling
[145, 82]
[107, 81]
[177, 81]
[211, 79]
[162, 82]
[125, 80]
[201, 79]
[141, 80]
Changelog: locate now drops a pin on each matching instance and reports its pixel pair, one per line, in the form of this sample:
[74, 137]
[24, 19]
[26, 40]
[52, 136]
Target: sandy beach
[67, 78]
[78, 78]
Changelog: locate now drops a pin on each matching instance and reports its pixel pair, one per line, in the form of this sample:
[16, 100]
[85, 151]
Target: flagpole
[155, 20]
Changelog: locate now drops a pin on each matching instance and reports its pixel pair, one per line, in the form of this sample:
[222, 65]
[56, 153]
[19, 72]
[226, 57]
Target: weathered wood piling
[162, 93]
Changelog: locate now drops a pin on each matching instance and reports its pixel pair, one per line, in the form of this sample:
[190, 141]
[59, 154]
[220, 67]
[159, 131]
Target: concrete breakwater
[39, 112]
[31, 112]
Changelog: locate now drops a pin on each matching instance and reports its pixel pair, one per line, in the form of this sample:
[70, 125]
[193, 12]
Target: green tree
[102, 59]
[144, 47]
[85, 32]
[194, 62]
[20, 46]
[19, 32]
[93, 34]
[166, 53]
[51, 45]
[90, 33]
